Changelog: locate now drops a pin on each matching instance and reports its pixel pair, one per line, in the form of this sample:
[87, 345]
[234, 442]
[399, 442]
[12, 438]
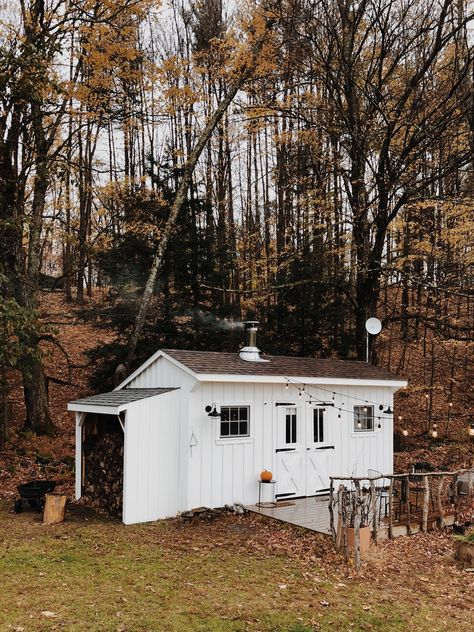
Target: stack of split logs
[103, 472]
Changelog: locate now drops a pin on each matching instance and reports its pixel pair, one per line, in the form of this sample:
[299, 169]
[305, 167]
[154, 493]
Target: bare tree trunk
[181, 192]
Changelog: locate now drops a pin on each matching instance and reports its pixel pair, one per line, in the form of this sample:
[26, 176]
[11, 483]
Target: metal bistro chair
[381, 489]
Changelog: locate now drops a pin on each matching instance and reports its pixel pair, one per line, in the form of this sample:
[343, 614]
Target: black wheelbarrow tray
[33, 494]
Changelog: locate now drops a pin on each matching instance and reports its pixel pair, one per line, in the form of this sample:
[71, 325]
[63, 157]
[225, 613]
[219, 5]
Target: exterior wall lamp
[212, 411]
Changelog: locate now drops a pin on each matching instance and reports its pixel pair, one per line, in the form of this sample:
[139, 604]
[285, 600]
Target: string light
[312, 398]
[405, 433]
[325, 390]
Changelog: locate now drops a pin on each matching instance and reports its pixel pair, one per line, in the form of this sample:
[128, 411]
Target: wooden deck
[310, 513]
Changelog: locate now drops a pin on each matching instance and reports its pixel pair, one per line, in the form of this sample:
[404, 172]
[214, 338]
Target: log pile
[103, 476]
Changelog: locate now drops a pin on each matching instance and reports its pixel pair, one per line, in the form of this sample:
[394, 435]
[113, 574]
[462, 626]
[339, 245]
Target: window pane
[318, 425]
[234, 427]
[243, 428]
[243, 413]
[224, 414]
[234, 414]
[225, 429]
[288, 429]
[293, 428]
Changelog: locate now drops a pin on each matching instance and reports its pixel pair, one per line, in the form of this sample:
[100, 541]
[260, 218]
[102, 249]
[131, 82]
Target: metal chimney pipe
[251, 329]
[251, 353]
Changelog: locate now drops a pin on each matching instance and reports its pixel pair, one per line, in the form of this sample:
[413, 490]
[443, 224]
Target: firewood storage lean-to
[102, 471]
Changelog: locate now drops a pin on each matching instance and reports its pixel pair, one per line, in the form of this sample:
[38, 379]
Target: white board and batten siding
[154, 474]
[226, 470]
[162, 372]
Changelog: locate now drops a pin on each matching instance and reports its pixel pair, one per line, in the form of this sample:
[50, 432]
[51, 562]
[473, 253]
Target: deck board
[310, 513]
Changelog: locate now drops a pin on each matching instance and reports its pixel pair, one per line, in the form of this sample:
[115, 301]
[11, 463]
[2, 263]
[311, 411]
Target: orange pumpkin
[266, 476]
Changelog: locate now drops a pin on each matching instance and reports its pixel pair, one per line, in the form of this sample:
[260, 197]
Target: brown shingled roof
[282, 366]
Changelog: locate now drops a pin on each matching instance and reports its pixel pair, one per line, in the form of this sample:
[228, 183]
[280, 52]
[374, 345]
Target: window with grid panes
[234, 421]
[363, 418]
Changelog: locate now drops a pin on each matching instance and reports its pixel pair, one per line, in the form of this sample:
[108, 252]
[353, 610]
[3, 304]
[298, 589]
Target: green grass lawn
[235, 573]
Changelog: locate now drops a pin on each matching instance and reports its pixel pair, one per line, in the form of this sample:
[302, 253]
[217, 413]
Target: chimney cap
[250, 324]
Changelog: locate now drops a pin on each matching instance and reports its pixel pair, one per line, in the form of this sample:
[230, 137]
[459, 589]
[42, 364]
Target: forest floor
[234, 573]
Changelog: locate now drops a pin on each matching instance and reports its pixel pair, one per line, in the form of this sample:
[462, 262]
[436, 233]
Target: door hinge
[326, 447]
[287, 494]
[285, 450]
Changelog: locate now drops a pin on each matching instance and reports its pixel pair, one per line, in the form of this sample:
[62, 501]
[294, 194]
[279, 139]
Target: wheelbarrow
[32, 494]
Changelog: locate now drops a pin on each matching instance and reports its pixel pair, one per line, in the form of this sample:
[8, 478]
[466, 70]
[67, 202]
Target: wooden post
[344, 495]
[54, 508]
[357, 525]
[331, 509]
[440, 502]
[390, 509]
[339, 535]
[373, 500]
[455, 496]
[407, 482]
[426, 502]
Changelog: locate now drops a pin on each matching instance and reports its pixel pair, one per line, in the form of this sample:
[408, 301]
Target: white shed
[198, 427]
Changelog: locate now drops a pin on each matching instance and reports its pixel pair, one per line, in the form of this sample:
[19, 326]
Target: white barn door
[290, 453]
[319, 452]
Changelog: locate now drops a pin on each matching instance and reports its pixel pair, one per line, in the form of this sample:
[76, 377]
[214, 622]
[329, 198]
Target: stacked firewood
[103, 481]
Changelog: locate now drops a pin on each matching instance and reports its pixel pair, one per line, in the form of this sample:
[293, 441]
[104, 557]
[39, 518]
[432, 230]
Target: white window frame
[364, 417]
[235, 437]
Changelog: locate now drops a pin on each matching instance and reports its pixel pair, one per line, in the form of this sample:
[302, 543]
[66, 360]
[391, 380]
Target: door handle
[309, 448]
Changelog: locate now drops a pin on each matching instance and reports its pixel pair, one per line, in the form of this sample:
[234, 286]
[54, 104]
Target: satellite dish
[373, 326]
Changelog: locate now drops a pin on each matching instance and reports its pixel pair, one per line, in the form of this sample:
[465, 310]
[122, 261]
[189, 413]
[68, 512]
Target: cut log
[54, 508]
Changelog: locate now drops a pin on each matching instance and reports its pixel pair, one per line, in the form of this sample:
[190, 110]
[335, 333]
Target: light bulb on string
[405, 433]
[286, 386]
